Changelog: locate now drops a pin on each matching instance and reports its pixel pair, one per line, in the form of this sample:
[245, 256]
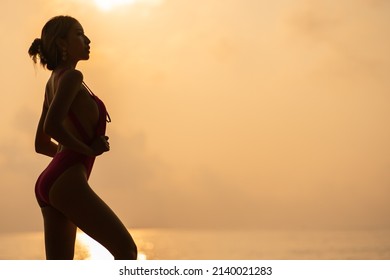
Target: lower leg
[60, 235]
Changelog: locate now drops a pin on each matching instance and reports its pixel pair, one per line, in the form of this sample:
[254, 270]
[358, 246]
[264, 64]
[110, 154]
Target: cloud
[342, 43]
[225, 114]
[282, 124]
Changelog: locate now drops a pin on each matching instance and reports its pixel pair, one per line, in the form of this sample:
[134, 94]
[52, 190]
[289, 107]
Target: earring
[64, 54]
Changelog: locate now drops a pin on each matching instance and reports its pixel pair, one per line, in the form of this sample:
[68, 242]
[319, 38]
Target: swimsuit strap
[108, 118]
[103, 118]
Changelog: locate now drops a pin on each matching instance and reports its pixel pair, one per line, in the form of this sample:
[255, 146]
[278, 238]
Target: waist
[64, 151]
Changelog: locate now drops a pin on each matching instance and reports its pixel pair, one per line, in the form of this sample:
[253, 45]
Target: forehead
[76, 27]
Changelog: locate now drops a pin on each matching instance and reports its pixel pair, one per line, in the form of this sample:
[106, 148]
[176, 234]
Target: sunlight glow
[107, 5]
[95, 251]
[142, 256]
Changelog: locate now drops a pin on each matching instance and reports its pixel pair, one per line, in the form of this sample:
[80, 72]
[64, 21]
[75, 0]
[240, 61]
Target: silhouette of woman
[76, 119]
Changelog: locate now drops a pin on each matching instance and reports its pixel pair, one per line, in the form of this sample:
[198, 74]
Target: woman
[76, 119]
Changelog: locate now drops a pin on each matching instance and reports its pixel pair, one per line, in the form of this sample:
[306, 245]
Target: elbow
[38, 142]
[39, 147]
[42, 141]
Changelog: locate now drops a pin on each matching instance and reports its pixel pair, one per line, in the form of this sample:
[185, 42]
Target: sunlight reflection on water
[172, 244]
[158, 244]
[88, 249]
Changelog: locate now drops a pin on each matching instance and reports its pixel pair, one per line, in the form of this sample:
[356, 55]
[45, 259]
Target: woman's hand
[100, 145]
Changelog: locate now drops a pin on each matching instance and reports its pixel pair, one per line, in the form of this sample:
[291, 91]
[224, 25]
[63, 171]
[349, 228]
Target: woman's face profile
[77, 43]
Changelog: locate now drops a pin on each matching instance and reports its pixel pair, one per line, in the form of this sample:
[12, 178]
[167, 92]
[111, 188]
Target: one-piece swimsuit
[67, 158]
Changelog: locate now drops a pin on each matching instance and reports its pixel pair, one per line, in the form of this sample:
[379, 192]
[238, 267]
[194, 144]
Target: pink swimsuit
[67, 158]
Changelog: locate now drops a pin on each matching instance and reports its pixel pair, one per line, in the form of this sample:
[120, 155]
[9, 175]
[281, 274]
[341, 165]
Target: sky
[225, 114]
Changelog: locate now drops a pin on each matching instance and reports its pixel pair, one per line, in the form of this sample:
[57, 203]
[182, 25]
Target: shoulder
[69, 84]
[71, 76]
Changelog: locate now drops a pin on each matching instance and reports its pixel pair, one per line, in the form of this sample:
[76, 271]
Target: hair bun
[35, 47]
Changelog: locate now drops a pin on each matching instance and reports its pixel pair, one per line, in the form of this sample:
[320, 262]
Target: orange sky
[225, 113]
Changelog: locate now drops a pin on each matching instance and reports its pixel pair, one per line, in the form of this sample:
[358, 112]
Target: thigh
[72, 195]
[60, 235]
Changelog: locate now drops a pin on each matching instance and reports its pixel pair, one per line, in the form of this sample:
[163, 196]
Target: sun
[107, 5]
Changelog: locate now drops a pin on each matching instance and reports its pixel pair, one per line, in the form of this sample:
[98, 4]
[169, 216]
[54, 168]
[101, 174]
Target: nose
[87, 39]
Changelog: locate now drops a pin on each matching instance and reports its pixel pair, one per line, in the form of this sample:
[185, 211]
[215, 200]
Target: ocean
[179, 244]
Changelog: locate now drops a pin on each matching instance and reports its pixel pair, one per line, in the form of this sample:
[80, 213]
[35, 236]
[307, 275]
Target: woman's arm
[43, 143]
[53, 124]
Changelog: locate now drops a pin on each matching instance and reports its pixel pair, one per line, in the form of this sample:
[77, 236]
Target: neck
[68, 64]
